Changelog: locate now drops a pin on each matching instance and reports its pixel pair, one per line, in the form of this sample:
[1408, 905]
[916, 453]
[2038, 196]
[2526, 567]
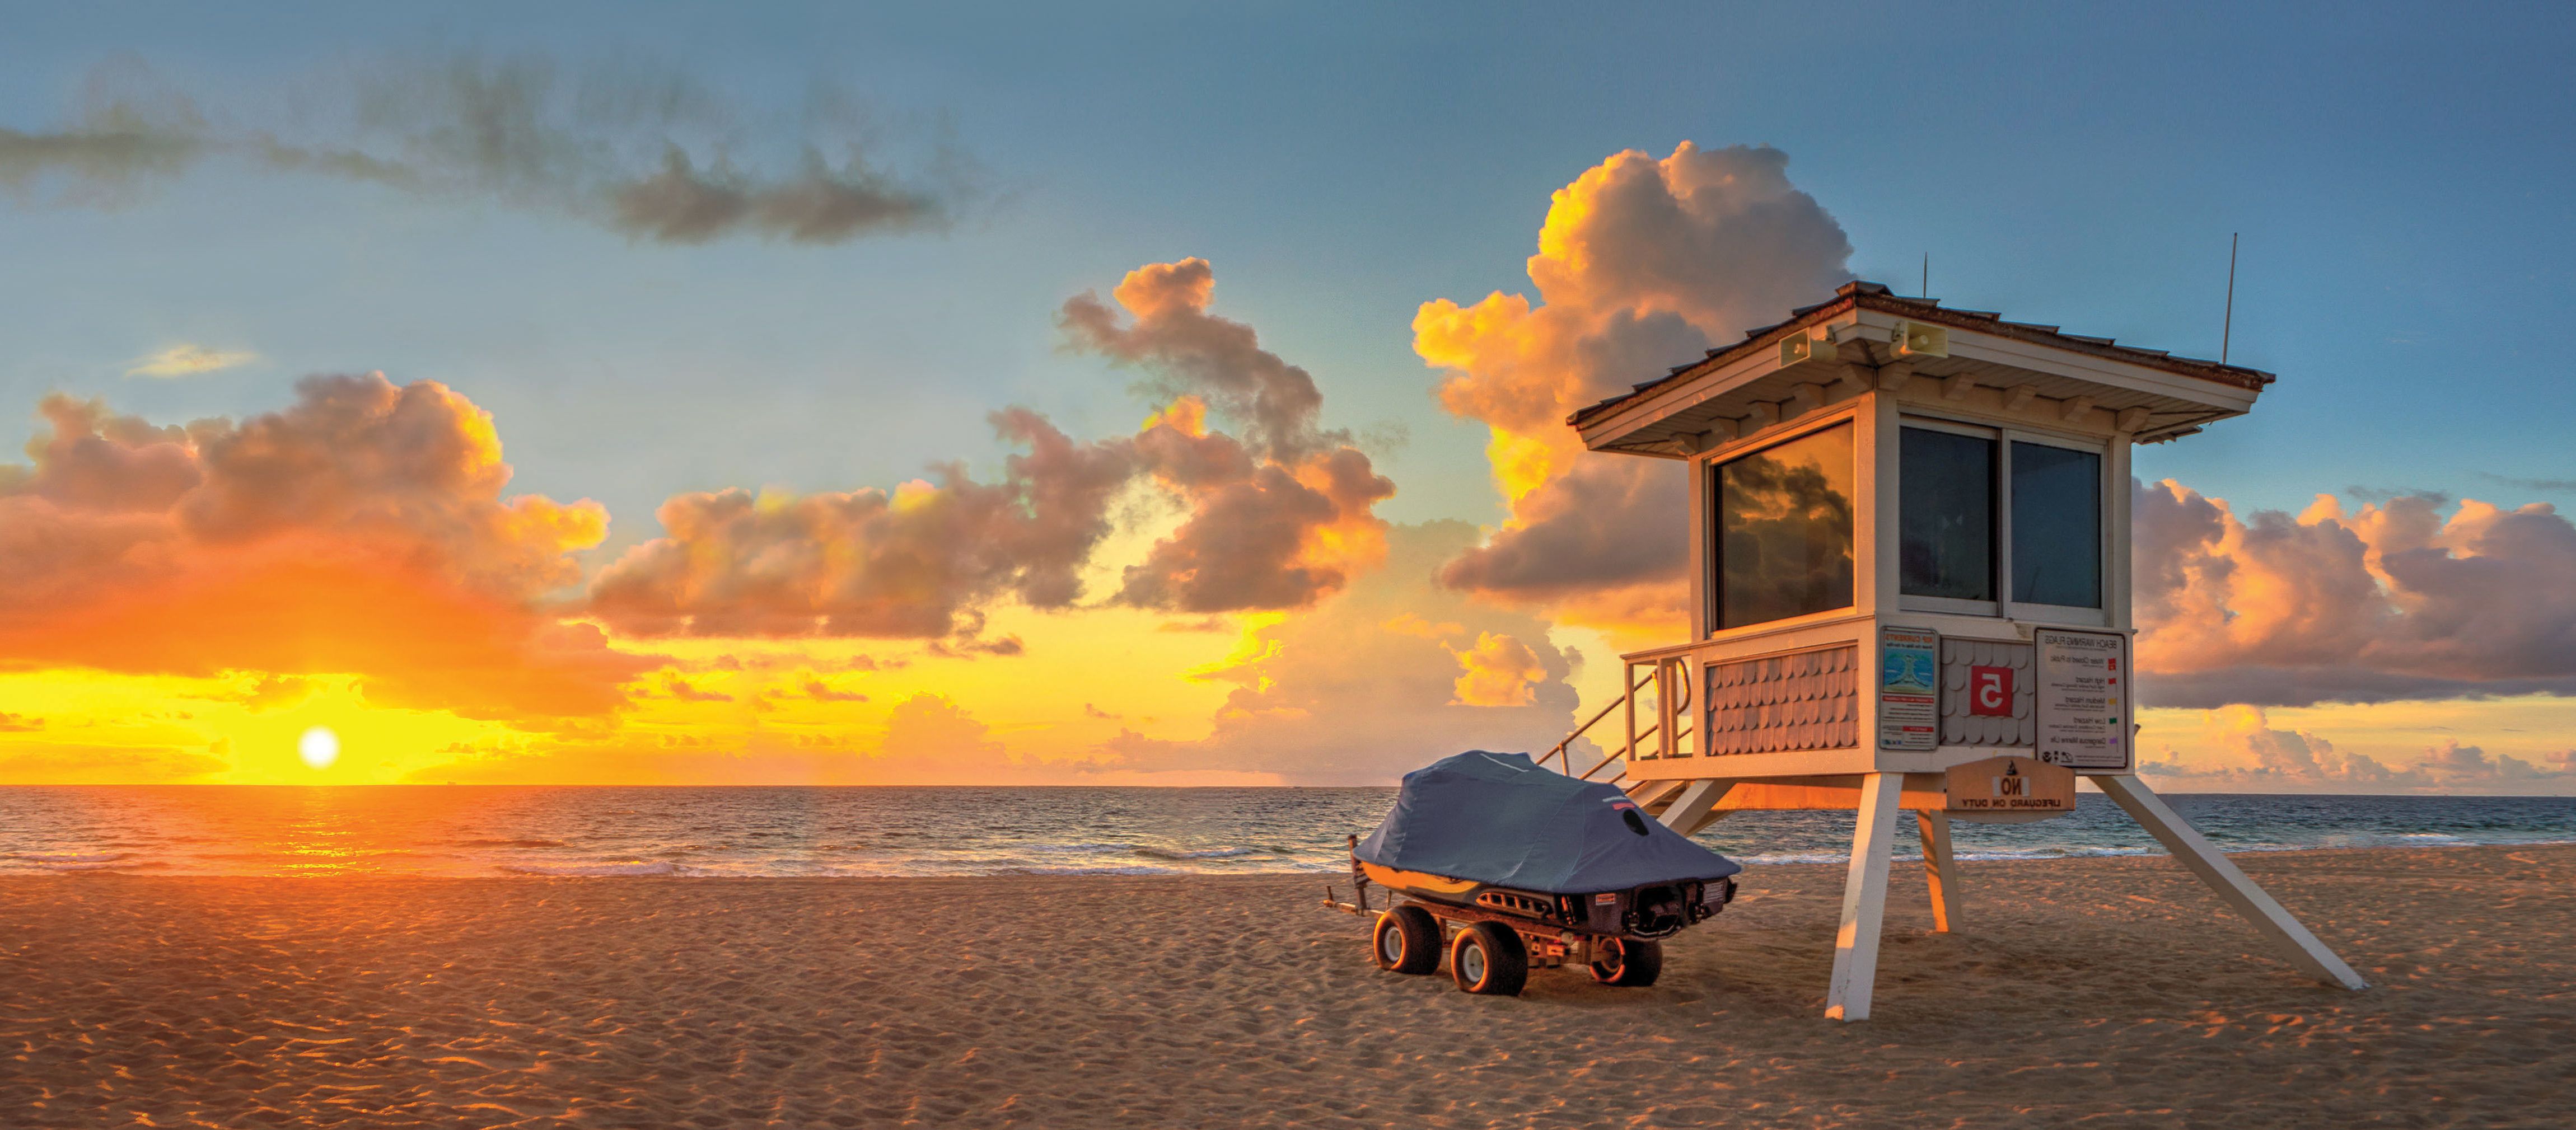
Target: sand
[2108, 990]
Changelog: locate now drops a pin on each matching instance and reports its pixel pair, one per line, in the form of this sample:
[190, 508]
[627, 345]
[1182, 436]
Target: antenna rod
[2227, 329]
[1927, 274]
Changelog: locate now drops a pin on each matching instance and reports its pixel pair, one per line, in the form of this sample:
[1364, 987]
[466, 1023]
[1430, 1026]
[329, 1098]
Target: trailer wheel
[1406, 940]
[1628, 961]
[1488, 959]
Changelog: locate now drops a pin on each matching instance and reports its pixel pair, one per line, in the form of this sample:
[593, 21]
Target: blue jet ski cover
[1498, 818]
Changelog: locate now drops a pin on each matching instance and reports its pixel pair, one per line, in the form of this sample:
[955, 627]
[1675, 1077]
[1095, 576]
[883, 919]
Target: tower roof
[1858, 336]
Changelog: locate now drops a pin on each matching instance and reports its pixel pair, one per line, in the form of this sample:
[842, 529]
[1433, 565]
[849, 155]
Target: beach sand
[2115, 990]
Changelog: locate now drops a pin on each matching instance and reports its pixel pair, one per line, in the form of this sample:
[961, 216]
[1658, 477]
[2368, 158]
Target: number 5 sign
[1990, 691]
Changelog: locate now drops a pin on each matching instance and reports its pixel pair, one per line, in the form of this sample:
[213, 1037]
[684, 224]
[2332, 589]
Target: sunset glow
[1149, 515]
[319, 747]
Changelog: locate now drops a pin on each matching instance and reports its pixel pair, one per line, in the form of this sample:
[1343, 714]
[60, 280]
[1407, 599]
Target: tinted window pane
[2056, 525]
[1784, 530]
[1946, 511]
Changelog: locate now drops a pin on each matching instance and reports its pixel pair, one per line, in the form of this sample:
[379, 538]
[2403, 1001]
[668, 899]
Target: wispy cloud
[2550, 486]
[647, 152]
[189, 360]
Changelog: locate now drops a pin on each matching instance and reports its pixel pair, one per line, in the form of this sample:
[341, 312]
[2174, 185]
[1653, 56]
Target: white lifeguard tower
[1909, 532]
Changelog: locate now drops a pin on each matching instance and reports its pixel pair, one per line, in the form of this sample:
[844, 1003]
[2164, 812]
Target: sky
[1164, 394]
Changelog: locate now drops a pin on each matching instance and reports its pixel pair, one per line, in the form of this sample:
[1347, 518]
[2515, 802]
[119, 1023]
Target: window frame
[2099, 613]
[2004, 606]
[1998, 502]
[1713, 571]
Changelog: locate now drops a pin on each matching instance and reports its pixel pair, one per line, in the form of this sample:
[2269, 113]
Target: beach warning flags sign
[2021, 785]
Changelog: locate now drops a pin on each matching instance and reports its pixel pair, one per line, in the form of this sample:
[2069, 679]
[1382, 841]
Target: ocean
[890, 831]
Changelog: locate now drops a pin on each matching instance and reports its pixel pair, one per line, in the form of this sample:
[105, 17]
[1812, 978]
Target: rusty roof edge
[1875, 296]
[2236, 375]
[1753, 341]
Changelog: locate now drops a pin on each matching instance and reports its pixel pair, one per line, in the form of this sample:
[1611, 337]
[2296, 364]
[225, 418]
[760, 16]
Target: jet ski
[1520, 858]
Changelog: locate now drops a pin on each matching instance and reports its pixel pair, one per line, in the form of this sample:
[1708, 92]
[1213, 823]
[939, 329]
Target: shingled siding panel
[1803, 700]
[1958, 727]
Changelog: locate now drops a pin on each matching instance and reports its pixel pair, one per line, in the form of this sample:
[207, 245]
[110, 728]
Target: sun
[319, 747]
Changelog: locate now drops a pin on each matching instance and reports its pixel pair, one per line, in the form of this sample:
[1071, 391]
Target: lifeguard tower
[1909, 532]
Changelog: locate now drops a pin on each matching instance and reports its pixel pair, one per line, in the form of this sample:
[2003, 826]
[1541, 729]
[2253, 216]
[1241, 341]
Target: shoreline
[1905, 854]
[2104, 986]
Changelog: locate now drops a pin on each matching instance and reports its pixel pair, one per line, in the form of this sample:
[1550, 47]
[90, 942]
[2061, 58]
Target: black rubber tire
[1639, 962]
[1406, 940]
[1489, 960]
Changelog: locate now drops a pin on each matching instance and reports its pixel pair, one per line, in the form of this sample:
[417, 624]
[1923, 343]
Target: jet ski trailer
[1510, 867]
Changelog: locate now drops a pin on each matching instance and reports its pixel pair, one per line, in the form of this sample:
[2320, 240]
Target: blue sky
[2399, 176]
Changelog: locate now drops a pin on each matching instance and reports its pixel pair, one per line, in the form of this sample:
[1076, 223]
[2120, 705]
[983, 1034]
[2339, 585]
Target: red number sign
[1990, 691]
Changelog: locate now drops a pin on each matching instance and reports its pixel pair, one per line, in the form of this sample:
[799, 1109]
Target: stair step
[1655, 796]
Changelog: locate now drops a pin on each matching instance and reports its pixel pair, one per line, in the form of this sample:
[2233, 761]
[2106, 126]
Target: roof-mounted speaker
[1914, 339]
[1808, 345]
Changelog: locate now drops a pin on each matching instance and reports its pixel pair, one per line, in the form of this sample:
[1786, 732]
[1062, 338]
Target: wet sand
[2114, 990]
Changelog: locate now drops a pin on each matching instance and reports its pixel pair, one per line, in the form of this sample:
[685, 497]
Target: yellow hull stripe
[1417, 880]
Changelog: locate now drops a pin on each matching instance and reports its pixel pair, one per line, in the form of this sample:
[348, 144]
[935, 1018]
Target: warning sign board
[2011, 784]
[2084, 699]
[1909, 689]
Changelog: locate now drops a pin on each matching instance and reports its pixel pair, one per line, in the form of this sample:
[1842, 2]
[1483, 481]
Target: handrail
[1579, 731]
[1661, 658]
[1679, 732]
[1668, 651]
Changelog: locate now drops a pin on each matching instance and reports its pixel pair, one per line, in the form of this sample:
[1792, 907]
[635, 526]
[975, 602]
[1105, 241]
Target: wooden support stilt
[2187, 845]
[1864, 898]
[1714, 815]
[1938, 870]
[1689, 811]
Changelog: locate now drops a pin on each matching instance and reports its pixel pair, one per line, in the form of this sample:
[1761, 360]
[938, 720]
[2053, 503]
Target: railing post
[1628, 677]
[1666, 745]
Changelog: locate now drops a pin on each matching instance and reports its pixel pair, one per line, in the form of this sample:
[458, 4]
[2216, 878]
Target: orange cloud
[1273, 521]
[1276, 519]
[1498, 671]
[1641, 263]
[2238, 748]
[2391, 601]
[1361, 688]
[1190, 352]
[911, 563]
[362, 530]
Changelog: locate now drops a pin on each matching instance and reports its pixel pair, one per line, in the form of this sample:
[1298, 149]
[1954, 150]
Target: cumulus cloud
[362, 530]
[1258, 535]
[1642, 263]
[930, 740]
[1367, 685]
[1277, 518]
[647, 152]
[913, 562]
[190, 360]
[1498, 671]
[1269, 523]
[2393, 600]
[2240, 749]
[1191, 352]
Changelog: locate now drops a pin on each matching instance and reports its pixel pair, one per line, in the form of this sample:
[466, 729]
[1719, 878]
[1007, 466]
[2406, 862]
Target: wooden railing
[1668, 671]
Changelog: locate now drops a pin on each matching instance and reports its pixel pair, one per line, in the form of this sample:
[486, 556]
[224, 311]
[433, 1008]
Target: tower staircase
[1666, 683]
